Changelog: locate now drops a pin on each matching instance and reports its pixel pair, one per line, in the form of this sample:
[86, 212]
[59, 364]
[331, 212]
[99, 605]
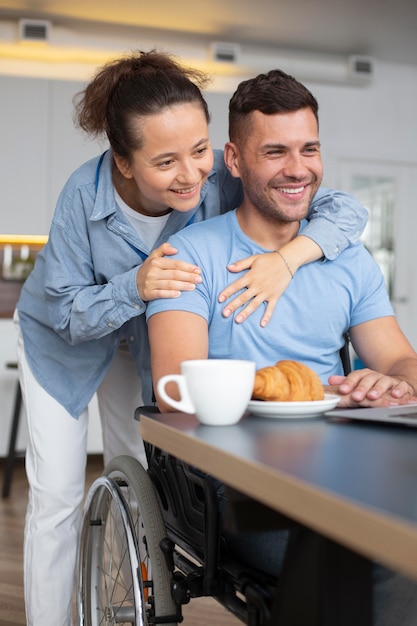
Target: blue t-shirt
[322, 302]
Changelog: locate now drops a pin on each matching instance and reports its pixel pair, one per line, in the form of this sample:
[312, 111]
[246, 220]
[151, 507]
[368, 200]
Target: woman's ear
[123, 166]
[231, 158]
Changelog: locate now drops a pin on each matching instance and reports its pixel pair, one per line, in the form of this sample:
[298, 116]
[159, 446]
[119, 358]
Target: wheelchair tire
[122, 575]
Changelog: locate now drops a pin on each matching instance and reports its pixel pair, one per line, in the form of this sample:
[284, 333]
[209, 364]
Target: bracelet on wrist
[286, 263]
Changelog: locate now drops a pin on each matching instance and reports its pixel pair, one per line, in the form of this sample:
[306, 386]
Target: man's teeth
[288, 190]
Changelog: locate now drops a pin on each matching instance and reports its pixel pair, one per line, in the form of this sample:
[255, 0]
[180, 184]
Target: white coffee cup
[216, 390]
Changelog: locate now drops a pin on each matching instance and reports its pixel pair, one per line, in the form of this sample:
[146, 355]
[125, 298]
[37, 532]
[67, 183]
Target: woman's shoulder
[87, 172]
[79, 195]
[218, 160]
[221, 188]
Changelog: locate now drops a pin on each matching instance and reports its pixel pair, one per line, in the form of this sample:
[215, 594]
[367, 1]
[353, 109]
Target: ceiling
[383, 29]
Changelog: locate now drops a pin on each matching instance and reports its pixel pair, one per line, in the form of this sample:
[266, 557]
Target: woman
[80, 316]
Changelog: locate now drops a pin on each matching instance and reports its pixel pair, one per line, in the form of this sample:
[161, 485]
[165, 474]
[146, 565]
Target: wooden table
[354, 484]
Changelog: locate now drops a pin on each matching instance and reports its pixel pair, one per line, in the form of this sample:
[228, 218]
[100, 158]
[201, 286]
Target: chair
[12, 453]
[345, 355]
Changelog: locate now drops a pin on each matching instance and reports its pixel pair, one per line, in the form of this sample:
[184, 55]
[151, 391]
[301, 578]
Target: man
[274, 149]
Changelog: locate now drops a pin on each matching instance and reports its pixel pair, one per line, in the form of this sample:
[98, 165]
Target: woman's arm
[336, 219]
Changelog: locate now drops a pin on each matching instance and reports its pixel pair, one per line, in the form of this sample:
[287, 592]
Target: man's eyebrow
[166, 155]
[268, 146]
[283, 146]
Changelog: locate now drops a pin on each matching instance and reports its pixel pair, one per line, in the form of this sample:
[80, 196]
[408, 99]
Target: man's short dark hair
[274, 92]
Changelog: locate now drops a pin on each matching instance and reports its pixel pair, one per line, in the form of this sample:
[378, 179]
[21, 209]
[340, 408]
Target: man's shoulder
[357, 261]
[356, 249]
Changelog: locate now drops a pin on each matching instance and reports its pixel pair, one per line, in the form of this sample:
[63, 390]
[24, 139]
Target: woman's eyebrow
[165, 155]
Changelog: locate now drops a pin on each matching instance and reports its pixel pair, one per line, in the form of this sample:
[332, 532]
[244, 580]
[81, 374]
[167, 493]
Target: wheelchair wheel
[122, 575]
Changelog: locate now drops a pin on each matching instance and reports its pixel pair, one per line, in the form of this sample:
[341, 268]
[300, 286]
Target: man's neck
[270, 233]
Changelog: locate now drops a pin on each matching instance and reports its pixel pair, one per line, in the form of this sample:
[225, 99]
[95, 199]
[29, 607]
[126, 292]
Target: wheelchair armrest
[151, 408]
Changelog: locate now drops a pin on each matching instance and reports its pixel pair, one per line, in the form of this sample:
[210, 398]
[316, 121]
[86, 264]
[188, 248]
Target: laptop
[400, 414]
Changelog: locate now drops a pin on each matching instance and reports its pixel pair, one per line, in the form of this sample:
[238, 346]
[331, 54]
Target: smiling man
[274, 149]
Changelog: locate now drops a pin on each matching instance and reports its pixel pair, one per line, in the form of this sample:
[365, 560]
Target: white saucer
[284, 410]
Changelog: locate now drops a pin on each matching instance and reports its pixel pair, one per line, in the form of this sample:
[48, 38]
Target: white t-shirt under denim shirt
[149, 228]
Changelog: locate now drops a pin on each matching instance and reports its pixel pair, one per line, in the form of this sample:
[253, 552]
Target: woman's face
[172, 165]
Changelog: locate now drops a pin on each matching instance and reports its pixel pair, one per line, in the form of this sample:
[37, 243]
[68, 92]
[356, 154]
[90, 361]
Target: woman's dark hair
[274, 92]
[128, 88]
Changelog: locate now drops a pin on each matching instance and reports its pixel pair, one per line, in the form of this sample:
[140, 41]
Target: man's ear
[123, 166]
[231, 158]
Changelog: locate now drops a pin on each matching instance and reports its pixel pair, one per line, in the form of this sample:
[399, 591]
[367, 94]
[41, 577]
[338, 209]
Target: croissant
[287, 381]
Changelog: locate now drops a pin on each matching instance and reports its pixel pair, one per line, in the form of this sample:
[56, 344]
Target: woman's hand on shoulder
[162, 277]
[265, 281]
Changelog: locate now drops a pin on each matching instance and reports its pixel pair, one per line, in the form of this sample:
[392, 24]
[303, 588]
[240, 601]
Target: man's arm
[175, 336]
[392, 377]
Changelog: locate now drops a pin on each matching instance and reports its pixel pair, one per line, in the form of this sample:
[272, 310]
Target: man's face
[279, 163]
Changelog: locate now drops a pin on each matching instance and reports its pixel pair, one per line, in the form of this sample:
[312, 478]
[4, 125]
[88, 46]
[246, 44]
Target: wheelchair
[151, 541]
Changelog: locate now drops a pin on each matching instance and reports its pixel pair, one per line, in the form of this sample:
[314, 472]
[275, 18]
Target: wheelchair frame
[151, 542]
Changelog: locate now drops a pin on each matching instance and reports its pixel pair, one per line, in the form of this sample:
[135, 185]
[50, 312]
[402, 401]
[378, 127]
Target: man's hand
[368, 388]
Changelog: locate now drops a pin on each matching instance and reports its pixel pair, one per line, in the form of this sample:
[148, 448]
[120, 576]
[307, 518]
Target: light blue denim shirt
[81, 298]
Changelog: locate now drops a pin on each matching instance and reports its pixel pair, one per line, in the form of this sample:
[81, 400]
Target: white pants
[55, 467]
